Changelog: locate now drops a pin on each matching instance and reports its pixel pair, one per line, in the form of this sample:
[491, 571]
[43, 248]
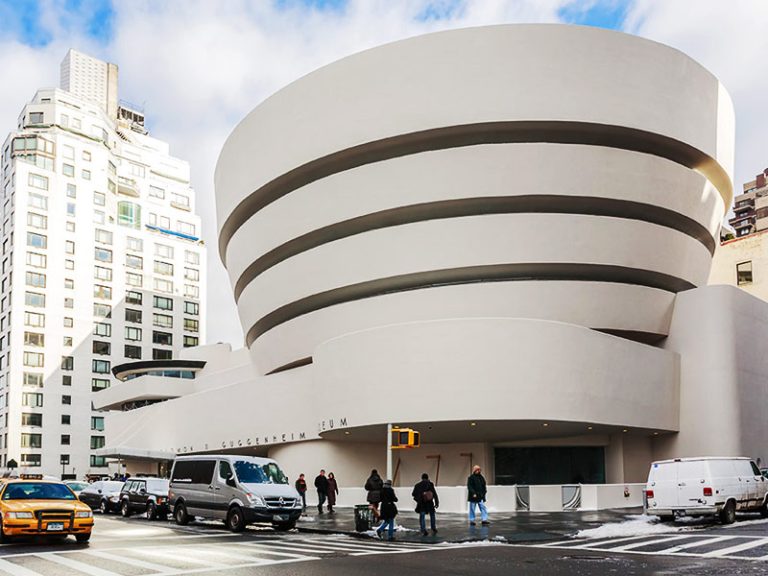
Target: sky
[199, 66]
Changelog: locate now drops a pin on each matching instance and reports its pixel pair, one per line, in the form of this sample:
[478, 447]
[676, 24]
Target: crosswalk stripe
[75, 564]
[738, 548]
[16, 570]
[594, 544]
[706, 542]
[647, 543]
[259, 548]
[313, 549]
[132, 561]
[354, 546]
[177, 555]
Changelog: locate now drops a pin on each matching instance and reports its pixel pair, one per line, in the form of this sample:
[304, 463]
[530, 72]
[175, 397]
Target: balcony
[127, 186]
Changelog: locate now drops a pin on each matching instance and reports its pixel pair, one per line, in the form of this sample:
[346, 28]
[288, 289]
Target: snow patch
[634, 526]
[469, 543]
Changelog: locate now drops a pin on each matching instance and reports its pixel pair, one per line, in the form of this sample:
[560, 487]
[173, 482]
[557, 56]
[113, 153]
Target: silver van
[240, 490]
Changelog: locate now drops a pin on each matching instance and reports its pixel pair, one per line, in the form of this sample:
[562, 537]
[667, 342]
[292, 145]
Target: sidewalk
[504, 527]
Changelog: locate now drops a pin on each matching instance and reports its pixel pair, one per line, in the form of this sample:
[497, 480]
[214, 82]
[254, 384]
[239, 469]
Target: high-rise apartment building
[101, 263]
[750, 209]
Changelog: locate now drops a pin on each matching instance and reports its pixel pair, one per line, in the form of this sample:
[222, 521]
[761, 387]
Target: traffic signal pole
[389, 452]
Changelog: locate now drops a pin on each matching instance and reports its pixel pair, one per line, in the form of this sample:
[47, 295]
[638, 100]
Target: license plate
[55, 526]
[280, 517]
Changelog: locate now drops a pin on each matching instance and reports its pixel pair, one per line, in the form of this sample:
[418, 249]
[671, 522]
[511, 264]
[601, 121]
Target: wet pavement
[512, 527]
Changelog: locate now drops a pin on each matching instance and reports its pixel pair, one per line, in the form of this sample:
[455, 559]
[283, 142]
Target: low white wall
[543, 498]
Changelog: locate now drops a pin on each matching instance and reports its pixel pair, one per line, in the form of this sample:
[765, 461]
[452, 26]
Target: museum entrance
[550, 465]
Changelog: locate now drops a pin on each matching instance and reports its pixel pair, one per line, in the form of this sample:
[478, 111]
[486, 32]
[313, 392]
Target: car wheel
[104, 507]
[151, 511]
[284, 526]
[235, 519]
[728, 513]
[666, 517]
[125, 509]
[764, 509]
[180, 515]
[82, 538]
[3, 537]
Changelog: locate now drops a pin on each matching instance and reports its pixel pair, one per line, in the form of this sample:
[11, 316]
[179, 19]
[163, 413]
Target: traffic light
[405, 438]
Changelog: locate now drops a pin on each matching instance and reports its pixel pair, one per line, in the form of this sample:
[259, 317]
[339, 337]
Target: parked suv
[237, 489]
[706, 486]
[147, 495]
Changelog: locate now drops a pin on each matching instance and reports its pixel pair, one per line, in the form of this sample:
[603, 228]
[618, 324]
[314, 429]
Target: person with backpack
[425, 495]
[476, 491]
[388, 510]
[373, 485]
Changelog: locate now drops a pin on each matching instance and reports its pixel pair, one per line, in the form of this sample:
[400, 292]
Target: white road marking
[697, 543]
[131, 561]
[81, 566]
[313, 549]
[641, 544]
[178, 555]
[16, 570]
[738, 548]
[594, 544]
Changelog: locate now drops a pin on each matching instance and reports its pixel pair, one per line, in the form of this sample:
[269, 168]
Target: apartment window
[744, 273]
[137, 170]
[191, 308]
[38, 201]
[36, 118]
[34, 299]
[191, 291]
[67, 341]
[31, 419]
[69, 264]
[101, 273]
[162, 320]
[34, 339]
[64, 459]
[99, 199]
[71, 191]
[67, 362]
[135, 280]
[192, 257]
[65, 439]
[68, 152]
[161, 285]
[37, 260]
[191, 274]
[30, 460]
[68, 170]
[190, 341]
[71, 210]
[66, 399]
[69, 302]
[164, 251]
[68, 322]
[31, 399]
[37, 240]
[102, 254]
[99, 384]
[37, 221]
[97, 423]
[163, 268]
[165, 338]
[66, 380]
[133, 315]
[70, 226]
[33, 379]
[86, 156]
[132, 297]
[34, 359]
[191, 325]
[66, 419]
[98, 461]
[99, 217]
[162, 302]
[69, 283]
[161, 354]
[100, 366]
[135, 244]
[179, 200]
[102, 348]
[35, 279]
[156, 192]
[103, 236]
[86, 174]
[69, 247]
[133, 261]
[31, 440]
[132, 352]
[101, 329]
[186, 228]
[102, 292]
[129, 214]
[102, 310]
[132, 333]
[37, 181]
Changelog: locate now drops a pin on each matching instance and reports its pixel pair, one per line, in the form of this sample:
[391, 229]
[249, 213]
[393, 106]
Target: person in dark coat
[388, 510]
[425, 495]
[476, 491]
[301, 488]
[374, 484]
[321, 484]
[333, 489]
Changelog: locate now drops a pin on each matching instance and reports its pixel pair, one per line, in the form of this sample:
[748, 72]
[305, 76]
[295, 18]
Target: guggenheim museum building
[497, 236]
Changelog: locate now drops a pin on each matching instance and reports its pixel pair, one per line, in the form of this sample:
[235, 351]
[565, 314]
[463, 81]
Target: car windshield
[112, 486]
[251, 473]
[37, 491]
[77, 486]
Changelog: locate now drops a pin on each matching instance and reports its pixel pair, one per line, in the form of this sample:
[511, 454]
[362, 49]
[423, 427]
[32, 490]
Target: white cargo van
[702, 486]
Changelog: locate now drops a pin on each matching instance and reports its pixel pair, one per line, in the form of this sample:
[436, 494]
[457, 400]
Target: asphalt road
[136, 547]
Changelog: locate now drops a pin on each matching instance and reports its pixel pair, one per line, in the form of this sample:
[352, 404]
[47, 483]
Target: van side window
[755, 469]
[193, 471]
[224, 469]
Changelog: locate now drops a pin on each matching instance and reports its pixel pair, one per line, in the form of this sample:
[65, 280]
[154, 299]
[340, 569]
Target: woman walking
[388, 510]
[333, 489]
[374, 484]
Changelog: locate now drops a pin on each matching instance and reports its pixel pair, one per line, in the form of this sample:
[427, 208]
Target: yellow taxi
[30, 505]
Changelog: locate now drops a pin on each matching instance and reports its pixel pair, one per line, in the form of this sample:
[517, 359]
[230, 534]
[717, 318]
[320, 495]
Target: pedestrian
[301, 488]
[477, 490]
[374, 484]
[333, 489]
[321, 483]
[388, 510]
[427, 502]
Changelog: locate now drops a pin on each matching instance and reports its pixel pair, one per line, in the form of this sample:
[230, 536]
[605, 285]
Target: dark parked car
[146, 495]
[103, 495]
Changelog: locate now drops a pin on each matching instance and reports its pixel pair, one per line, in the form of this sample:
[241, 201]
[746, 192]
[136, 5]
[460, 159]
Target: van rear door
[692, 476]
[192, 480]
[662, 479]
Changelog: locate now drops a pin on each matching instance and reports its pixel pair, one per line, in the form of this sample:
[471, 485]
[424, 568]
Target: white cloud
[199, 66]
